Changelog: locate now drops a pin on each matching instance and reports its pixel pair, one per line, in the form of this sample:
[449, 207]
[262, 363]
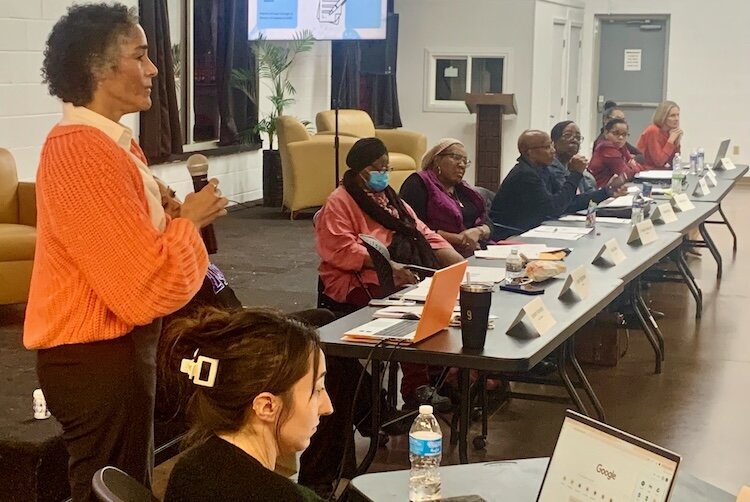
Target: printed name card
[726, 164]
[664, 213]
[609, 253]
[710, 178]
[681, 202]
[643, 233]
[701, 188]
[577, 283]
[534, 320]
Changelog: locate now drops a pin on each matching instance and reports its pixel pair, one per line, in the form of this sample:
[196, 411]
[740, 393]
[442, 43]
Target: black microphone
[197, 165]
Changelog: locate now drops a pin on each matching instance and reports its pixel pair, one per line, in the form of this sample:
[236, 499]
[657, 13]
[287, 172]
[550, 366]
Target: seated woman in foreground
[611, 156]
[365, 204]
[266, 400]
[444, 201]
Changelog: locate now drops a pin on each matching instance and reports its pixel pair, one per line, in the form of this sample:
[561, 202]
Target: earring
[440, 171]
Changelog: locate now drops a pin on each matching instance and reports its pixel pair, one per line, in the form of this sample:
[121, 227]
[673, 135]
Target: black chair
[110, 484]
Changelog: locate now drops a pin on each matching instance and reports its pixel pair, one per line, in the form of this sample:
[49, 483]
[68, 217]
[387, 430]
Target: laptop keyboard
[399, 330]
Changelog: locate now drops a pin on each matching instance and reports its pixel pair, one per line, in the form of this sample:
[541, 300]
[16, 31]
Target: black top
[528, 196]
[414, 192]
[219, 471]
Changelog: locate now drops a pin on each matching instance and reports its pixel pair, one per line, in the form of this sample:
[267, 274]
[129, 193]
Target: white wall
[28, 112]
[708, 68]
[454, 25]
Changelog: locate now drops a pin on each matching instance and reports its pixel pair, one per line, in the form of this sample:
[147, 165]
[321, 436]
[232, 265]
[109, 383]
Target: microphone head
[197, 164]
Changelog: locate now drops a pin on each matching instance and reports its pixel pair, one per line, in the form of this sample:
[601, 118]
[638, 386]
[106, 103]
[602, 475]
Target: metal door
[557, 71]
[633, 66]
[574, 73]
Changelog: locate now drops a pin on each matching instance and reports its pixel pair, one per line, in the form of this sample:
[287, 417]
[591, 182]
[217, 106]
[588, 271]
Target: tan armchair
[405, 148]
[308, 165]
[17, 232]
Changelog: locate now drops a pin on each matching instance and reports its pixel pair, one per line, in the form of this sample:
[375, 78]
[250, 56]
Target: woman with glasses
[566, 136]
[661, 140]
[612, 111]
[611, 156]
[444, 201]
[365, 204]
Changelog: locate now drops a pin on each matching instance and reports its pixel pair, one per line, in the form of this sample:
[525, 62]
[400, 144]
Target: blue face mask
[377, 181]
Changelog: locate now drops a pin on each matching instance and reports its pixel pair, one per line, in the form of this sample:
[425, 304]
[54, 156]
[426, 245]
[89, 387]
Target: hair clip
[194, 367]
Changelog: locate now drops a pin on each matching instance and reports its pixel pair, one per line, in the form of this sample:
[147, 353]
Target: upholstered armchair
[17, 232]
[308, 164]
[405, 148]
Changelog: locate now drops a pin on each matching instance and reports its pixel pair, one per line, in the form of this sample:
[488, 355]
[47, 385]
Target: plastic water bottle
[694, 162]
[701, 160]
[514, 271]
[636, 215]
[425, 451]
[677, 174]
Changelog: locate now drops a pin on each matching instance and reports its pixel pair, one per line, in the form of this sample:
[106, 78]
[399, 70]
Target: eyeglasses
[569, 137]
[383, 168]
[457, 158]
[620, 134]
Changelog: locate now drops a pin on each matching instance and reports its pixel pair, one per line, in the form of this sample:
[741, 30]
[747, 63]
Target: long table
[514, 480]
[503, 353]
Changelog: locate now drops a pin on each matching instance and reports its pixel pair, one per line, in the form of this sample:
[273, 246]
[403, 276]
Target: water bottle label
[425, 447]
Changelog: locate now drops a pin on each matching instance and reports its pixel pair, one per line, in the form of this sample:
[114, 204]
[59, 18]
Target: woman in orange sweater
[109, 263]
[661, 140]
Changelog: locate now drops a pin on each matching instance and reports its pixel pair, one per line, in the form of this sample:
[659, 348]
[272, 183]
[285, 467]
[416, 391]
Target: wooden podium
[490, 109]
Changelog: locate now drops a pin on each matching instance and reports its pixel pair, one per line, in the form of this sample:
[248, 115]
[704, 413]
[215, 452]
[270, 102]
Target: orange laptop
[436, 315]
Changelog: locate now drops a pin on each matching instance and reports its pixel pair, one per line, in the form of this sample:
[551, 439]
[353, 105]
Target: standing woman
[109, 263]
[444, 201]
[661, 140]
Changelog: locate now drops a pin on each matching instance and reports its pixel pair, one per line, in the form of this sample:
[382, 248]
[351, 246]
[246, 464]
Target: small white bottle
[701, 160]
[425, 452]
[514, 270]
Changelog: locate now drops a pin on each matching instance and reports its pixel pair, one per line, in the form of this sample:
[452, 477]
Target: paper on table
[553, 232]
[624, 201]
[660, 174]
[599, 219]
[530, 251]
[397, 312]
[486, 274]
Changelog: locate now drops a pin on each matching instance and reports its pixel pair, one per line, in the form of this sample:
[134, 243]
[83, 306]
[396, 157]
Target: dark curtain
[232, 51]
[160, 133]
[382, 103]
[346, 60]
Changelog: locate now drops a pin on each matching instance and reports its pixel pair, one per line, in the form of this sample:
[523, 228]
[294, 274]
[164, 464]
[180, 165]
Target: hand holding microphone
[206, 204]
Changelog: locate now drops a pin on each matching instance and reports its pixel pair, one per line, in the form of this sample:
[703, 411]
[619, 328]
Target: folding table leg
[711, 247]
[650, 336]
[465, 407]
[571, 356]
[731, 230]
[650, 319]
[689, 280]
[563, 371]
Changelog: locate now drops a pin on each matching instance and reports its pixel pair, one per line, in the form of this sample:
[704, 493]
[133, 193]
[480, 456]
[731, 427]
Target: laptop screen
[595, 462]
[723, 148]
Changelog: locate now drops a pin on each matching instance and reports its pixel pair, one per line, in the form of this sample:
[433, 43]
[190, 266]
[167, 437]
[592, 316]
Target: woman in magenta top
[611, 156]
[661, 140]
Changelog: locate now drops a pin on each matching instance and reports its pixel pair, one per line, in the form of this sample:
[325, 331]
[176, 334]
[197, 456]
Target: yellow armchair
[308, 165]
[405, 148]
[17, 232]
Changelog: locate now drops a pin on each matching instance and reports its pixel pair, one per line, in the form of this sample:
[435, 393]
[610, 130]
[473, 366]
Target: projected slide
[326, 19]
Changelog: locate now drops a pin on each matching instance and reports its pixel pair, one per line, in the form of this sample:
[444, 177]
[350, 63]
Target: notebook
[436, 314]
[593, 461]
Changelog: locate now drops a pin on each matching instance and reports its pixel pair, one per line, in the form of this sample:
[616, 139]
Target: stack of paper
[530, 251]
[624, 201]
[486, 274]
[562, 233]
[660, 174]
[602, 219]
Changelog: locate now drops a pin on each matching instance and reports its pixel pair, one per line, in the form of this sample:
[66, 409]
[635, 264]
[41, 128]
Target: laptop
[723, 149]
[595, 462]
[436, 314]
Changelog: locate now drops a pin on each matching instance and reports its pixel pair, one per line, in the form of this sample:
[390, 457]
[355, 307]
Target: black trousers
[103, 395]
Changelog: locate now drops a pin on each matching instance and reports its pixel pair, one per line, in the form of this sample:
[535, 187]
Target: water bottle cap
[425, 409]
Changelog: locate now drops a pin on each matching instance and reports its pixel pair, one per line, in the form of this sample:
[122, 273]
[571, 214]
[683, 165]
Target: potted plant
[274, 60]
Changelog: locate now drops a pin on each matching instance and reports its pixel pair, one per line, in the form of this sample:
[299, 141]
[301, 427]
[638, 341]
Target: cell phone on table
[617, 182]
[524, 289]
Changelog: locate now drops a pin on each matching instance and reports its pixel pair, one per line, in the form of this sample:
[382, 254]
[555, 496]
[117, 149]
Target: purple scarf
[443, 212]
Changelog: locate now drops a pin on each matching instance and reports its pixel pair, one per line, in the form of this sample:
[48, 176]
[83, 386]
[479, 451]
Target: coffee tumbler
[475, 300]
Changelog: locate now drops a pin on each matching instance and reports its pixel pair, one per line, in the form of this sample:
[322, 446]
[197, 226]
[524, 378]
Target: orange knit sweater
[101, 267]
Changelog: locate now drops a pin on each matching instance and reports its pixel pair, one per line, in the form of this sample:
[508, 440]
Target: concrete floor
[697, 407]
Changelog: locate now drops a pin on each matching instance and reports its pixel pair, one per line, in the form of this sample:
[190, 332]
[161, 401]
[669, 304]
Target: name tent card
[609, 253]
[710, 178]
[701, 189]
[726, 164]
[681, 202]
[577, 283]
[664, 213]
[533, 321]
[643, 233]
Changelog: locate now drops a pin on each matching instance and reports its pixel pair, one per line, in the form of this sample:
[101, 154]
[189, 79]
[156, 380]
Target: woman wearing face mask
[265, 400]
[365, 204]
[444, 201]
[611, 156]
[661, 140]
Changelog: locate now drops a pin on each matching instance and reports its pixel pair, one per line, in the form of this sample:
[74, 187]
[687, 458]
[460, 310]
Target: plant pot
[273, 183]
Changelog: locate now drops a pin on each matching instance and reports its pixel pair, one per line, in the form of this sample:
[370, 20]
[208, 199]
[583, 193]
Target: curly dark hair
[82, 44]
